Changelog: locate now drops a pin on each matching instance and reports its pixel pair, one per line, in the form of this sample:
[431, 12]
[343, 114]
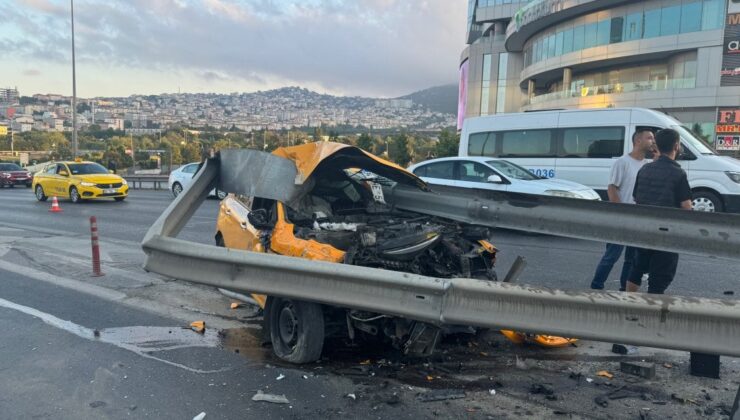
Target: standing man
[620, 189]
[660, 183]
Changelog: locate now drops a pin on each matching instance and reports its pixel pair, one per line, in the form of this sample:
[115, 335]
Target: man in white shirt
[621, 185]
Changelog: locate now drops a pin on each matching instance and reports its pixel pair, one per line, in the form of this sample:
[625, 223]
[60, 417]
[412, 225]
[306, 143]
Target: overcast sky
[379, 48]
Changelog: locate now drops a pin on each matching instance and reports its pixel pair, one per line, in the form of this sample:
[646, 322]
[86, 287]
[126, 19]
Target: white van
[581, 145]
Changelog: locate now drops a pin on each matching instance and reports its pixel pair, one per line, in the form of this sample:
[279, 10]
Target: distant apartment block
[9, 96]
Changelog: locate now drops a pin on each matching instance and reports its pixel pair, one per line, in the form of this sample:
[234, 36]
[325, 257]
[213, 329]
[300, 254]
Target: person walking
[620, 189]
[660, 183]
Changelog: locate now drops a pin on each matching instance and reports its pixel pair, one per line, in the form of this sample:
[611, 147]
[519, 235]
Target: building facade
[678, 56]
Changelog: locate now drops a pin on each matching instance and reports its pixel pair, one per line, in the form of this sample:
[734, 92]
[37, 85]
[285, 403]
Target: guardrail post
[95, 247]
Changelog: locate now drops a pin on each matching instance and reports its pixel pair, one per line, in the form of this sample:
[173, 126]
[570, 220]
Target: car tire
[74, 195]
[706, 201]
[40, 195]
[296, 329]
[119, 198]
[221, 194]
[176, 189]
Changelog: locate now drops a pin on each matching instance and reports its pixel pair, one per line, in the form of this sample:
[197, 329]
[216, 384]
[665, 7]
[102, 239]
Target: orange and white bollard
[95, 247]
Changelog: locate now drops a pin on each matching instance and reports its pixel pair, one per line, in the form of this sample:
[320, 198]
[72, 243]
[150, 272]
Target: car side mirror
[495, 179]
[259, 219]
[63, 173]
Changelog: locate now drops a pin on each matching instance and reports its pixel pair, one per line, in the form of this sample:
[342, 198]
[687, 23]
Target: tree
[365, 142]
[448, 144]
[398, 150]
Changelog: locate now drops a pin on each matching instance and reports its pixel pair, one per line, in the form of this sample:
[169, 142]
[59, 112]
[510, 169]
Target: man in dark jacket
[660, 183]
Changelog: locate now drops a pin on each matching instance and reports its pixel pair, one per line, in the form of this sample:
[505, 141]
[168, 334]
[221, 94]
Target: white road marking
[120, 337]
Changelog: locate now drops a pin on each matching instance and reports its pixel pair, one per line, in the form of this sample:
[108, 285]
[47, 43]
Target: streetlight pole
[74, 84]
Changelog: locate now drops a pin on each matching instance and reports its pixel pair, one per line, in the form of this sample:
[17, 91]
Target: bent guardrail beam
[699, 233]
[683, 323]
[692, 324]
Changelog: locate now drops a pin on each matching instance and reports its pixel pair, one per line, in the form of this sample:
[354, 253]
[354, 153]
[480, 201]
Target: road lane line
[109, 336]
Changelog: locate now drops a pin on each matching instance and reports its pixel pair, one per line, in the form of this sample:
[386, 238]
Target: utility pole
[74, 84]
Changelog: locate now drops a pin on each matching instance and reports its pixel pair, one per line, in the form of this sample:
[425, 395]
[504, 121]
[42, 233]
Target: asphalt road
[551, 261]
[72, 353]
[139, 366]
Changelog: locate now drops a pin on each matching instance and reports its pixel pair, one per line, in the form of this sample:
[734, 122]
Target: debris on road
[602, 401]
[683, 399]
[492, 391]
[271, 398]
[604, 374]
[541, 389]
[198, 326]
[644, 370]
[200, 416]
[353, 396]
[729, 292]
[236, 305]
[280, 377]
[441, 395]
[622, 349]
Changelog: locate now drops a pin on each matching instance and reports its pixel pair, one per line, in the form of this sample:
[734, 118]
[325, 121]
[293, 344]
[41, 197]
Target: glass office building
[564, 54]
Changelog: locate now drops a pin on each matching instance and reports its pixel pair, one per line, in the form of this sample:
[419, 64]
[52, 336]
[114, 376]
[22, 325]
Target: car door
[471, 174]
[61, 181]
[439, 173]
[46, 179]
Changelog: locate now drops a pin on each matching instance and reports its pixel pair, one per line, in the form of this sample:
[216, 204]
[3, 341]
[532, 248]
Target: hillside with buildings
[276, 109]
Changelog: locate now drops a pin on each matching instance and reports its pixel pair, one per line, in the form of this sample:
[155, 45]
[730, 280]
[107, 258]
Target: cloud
[355, 47]
[31, 72]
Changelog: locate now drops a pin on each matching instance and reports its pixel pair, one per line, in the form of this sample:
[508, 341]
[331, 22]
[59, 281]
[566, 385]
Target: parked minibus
[581, 146]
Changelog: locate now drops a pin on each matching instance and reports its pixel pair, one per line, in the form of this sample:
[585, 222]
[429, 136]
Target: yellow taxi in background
[78, 181]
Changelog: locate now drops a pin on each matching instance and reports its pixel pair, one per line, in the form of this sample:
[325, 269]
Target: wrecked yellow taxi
[341, 216]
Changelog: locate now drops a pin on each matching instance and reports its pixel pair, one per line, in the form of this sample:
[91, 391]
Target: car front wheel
[296, 329]
[706, 201]
[40, 193]
[74, 195]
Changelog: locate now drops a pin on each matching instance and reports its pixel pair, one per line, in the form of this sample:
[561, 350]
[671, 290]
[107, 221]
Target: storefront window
[616, 30]
[603, 30]
[689, 14]
[578, 38]
[712, 15]
[690, 17]
[633, 27]
[651, 24]
[568, 41]
[669, 20]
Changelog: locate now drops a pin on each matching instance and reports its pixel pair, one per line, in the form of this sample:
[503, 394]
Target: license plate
[109, 191]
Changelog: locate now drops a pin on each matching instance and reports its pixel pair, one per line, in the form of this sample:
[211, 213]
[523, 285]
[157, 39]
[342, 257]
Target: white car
[181, 177]
[496, 174]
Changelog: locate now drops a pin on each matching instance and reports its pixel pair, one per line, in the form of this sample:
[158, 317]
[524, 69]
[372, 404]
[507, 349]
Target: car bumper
[89, 193]
[12, 181]
[732, 203]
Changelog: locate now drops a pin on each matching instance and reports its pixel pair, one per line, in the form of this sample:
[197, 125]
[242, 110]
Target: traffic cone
[55, 205]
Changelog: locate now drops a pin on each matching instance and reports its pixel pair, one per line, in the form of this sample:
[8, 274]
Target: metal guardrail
[693, 324]
[158, 182]
[707, 234]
